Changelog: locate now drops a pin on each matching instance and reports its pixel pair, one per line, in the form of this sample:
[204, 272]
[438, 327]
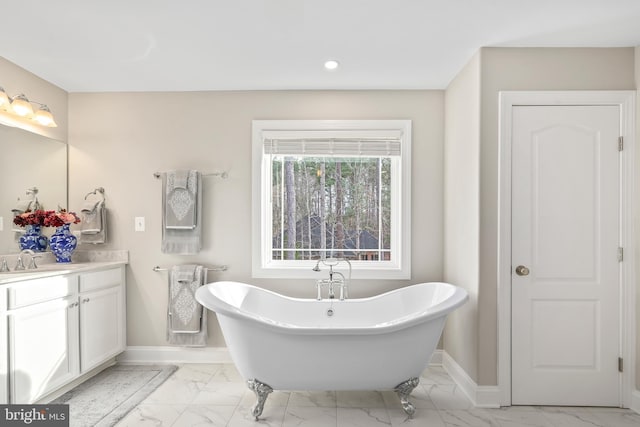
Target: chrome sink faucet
[333, 281]
[32, 260]
[4, 267]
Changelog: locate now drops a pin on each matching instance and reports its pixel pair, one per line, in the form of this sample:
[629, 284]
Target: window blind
[341, 143]
[333, 147]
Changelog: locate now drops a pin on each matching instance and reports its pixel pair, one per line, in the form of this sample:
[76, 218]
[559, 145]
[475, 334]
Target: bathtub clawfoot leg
[404, 389]
[262, 392]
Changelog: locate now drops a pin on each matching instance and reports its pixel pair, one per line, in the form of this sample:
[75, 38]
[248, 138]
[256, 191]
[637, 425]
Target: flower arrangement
[46, 218]
[60, 218]
[28, 217]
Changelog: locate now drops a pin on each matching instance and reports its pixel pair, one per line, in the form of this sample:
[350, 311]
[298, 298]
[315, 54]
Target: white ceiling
[173, 45]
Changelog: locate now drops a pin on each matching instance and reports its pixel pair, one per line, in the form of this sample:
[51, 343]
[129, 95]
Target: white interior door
[565, 283]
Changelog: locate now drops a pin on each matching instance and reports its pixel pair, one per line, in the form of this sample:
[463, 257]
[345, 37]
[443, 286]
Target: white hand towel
[24, 205]
[93, 220]
[91, 217]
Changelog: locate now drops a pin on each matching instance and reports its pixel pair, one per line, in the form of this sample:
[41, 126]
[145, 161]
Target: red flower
[46, 218]
[37, 217]
[60, 218]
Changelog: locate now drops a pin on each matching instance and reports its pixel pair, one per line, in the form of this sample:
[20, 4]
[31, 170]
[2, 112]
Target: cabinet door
[43, 348]
[101, 326]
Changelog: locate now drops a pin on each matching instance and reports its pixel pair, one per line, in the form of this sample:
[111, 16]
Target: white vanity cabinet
[43, 348]
[102, 317]
[42, 325]
[58, 328]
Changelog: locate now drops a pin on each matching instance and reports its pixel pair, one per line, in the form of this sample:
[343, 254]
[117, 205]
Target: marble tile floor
[216, 395]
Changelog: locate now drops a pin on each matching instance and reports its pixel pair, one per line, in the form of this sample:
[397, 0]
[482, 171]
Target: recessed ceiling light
[331, 64]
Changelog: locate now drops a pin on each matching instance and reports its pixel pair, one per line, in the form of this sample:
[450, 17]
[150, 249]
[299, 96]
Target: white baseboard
[635, 401]
[489, 396]
[481, 396]
[436, 358]
[166, 354]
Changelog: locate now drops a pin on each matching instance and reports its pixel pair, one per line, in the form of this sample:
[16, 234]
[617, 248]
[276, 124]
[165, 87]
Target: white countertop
[54, 269]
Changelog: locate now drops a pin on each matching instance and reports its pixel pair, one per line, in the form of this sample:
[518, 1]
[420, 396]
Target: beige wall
[16, 80]
[461, 211]
[526, 69]
[118, 140]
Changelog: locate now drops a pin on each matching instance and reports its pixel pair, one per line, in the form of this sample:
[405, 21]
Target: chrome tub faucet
[333, 281]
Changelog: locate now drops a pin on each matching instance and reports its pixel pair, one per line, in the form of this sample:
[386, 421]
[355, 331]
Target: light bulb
[21, 106]
[331, 64]
[44, 117]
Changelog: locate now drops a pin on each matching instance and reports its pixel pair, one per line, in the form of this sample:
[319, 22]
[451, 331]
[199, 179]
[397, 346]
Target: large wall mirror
[29, 161]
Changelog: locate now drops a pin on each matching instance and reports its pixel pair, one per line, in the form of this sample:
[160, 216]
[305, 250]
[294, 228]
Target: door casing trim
[625, 100]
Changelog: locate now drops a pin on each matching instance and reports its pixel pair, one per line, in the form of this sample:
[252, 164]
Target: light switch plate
[139, 221]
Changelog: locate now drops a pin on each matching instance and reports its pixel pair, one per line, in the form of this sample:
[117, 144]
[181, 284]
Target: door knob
[521, 270]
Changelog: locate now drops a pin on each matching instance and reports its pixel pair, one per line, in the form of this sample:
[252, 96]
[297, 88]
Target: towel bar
[216, 268]
[223, 175]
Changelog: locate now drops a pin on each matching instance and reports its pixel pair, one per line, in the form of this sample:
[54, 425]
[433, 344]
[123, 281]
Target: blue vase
[33, 239]
[63, 243]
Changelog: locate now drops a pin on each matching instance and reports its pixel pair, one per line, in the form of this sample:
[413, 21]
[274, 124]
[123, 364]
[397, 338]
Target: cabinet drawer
[100, 279]
[41, 290]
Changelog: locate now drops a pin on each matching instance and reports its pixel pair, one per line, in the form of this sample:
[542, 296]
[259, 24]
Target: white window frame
[265, 267]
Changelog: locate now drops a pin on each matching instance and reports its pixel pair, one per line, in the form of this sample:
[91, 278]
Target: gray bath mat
[106, 398]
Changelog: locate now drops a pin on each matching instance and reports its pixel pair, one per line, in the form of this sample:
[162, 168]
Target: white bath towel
[186, 318]
[181, 212]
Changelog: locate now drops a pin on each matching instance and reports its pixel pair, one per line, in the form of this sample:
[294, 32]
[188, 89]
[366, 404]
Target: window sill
[305, 271]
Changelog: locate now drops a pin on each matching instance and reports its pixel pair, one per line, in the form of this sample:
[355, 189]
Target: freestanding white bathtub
[378, 343]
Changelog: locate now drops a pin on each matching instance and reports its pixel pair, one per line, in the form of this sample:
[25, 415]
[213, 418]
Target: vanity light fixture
[21, 106]
[331, 64]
